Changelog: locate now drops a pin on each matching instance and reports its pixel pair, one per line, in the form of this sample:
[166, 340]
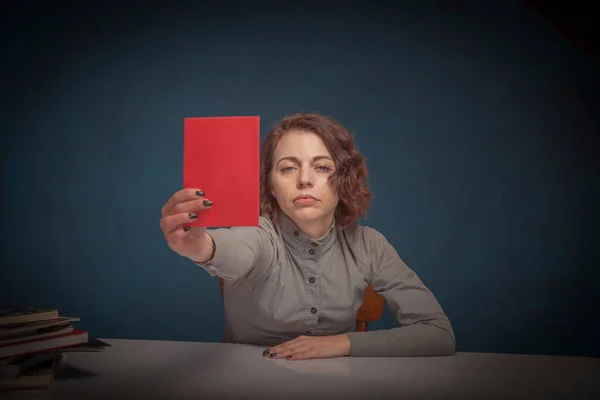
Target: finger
[291, 353]
[297, 339]
[172, 222]
[181, 196]
[193, 206]
[305, 355]
[290, 349]
[276, 351]
[285, 345]
[173, 238]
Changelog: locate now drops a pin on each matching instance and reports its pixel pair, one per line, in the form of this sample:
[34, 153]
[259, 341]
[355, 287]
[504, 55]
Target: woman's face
[300, 179]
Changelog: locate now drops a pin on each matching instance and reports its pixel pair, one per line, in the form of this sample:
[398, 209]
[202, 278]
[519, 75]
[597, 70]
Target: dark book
[93, 345]
[39, 377]
[73, 338]
[37, 334]
[21, 314]
[28, 328]
[19, 365]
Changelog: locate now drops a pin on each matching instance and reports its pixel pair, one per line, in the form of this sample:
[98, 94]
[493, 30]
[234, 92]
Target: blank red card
[222, 158]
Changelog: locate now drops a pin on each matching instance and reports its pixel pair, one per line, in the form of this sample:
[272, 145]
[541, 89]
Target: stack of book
[33, 346]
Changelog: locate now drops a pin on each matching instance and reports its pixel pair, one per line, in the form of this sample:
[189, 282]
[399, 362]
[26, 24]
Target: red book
[221, 156]
[72, 338]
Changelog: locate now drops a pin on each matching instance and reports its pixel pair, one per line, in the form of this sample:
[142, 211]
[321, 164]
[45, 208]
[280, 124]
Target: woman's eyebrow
[297, 161]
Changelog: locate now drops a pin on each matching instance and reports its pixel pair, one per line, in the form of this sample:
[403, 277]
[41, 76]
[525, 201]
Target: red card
[221, 156]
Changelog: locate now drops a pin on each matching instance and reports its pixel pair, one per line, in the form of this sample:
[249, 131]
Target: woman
[296, 282]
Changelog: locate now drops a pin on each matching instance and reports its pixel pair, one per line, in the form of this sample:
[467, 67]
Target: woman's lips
[305, 200]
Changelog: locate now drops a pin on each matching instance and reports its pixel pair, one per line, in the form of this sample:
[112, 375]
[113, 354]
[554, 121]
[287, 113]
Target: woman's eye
[323, 168]
[287, 169]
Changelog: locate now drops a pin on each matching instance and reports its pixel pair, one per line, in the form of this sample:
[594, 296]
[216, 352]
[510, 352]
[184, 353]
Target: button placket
[312, 299]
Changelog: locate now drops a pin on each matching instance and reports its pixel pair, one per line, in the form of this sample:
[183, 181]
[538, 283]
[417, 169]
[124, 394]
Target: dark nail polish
[187, 228]
[288, 357]
[193, 216]
[272, 354]
[266, 352]
[207, 203]
[199, 193]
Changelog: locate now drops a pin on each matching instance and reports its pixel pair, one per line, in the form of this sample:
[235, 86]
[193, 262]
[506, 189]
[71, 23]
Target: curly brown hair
[349, 179]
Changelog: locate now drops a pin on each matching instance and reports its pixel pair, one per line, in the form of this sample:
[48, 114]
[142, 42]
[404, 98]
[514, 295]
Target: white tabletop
[142, 369]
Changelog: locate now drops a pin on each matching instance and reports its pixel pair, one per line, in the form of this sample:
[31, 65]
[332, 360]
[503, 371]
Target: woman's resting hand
[305, 347]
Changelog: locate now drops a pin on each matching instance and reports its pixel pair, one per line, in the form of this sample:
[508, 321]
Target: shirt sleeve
[242, 251]
[424, 330]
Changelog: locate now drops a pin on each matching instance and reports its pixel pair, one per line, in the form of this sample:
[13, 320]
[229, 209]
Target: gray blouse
[279, 283]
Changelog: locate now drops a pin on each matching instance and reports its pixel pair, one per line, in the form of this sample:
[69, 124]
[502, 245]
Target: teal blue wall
[479, 123]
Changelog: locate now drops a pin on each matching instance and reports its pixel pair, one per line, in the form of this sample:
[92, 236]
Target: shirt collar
[299, 242]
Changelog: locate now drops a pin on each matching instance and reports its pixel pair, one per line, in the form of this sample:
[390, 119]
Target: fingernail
[272, 354]
[187, 228]
[199, 193]
[193, 216]
[207, 203]
[266, 352]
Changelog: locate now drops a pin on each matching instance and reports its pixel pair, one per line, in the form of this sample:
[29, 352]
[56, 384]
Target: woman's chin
[307, 214]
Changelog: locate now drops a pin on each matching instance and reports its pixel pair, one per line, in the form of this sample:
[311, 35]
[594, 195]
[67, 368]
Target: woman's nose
[305, 184]
[305, 180]
[302, 183]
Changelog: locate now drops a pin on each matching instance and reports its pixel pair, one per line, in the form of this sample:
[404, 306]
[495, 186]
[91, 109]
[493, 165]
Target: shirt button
[311, 251]
[313, 244]
[295, 233]
[311, 280]
[313, 310]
